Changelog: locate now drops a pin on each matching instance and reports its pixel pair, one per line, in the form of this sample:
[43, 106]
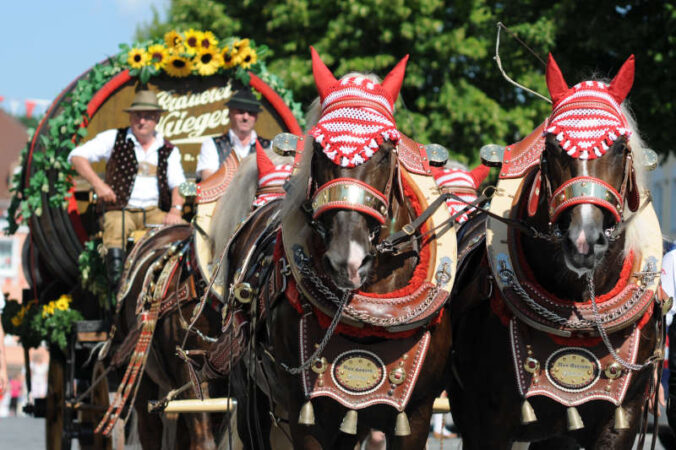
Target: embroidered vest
[122, 167]
[224, 147]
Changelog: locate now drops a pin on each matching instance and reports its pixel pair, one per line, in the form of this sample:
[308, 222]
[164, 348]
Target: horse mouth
[582, 263]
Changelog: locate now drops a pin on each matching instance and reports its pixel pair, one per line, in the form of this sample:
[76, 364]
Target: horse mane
[297, 186]
[235, 204]
[633, 235]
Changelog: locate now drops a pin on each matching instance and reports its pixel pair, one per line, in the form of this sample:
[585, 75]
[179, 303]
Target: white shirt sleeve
[2, 303]
[208, 157]
[97, 149]
[175, 175]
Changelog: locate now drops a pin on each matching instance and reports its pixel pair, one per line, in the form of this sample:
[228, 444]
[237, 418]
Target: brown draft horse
[590, 238]
[342, 247]
[164, 370]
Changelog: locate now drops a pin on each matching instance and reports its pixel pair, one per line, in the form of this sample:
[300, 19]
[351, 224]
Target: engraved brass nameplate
[358, 371]
[573, 369]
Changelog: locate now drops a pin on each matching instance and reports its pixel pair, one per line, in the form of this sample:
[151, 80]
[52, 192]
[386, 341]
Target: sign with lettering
[195, 110]
[358, 371]
[573, 369]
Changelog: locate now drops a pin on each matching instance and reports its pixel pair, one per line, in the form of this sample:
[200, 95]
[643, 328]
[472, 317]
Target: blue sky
[48, 43]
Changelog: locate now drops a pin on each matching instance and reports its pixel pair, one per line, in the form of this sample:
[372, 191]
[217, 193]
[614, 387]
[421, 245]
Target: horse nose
[588, 240]
[348, 267]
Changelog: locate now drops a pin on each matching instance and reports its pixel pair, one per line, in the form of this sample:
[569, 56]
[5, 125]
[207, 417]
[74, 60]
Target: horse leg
[558, 443]
[197, 432]
[149, 425]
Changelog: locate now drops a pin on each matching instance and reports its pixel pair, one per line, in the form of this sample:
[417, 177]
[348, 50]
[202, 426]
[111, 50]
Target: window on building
[9, 257]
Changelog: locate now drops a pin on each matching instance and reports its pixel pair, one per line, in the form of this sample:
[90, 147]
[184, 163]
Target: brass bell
[527, 413]
[349, 424]
[574, 419]
[243, 292]
[307, 414]
[621, 421]
[401, 427]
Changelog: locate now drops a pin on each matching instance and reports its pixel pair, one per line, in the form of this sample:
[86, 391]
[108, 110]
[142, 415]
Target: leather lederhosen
[122, 168]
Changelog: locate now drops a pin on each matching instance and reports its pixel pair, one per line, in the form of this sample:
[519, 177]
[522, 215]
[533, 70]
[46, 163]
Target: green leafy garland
[51, 172]
[93, 273]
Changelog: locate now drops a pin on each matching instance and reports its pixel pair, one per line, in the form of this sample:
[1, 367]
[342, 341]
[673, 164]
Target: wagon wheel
[91, 415]
[56, 416]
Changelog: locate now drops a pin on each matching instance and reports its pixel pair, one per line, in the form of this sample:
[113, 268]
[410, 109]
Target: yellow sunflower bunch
[61, 304]
[194, 51]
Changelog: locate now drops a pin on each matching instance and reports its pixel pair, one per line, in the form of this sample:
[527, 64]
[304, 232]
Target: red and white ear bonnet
[462, 183]
[357, 114]
[587, 118]
[271, 178]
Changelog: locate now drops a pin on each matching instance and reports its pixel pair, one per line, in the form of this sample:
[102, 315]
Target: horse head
[353, 168]
[586, 172]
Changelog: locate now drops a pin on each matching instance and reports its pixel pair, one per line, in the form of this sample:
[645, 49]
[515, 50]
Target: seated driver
[243, 113]
[143, 172]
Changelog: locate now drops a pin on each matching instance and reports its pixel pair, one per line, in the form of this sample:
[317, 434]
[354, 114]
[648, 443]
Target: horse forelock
[298, 184]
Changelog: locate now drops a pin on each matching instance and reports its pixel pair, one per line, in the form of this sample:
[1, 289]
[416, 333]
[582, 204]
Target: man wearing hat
[143, 172]
[243, 112]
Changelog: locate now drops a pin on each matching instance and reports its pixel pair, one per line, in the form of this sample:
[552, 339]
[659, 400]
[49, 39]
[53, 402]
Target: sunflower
[239, 45]
[207, 61]
[173, 40]
[158, 55]
[178, 66]
[48, 309]
[229, 60]
[247, 57]
[62, 303]
[192, 40]
[137, 58]
[208, 40]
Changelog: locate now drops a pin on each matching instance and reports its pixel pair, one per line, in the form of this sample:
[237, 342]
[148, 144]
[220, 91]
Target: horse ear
[324, 79]
[555, 82]
[621, 84]
[265, 165]
[479, 174]
[394, 79]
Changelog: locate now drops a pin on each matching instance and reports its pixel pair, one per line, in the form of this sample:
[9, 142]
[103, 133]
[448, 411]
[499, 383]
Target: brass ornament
[402, 427]
[397, 376]
[613, 370]
[243, 292]
[436, 154]
[358, 371]
[492, 155]
[527, 413]
[531, 365]
[621, 420]
[284, 144]
[307, 414]
[320, 365]
[573, 369]
[348, 194]
[574, 419]
[188, 189]
[349, 423]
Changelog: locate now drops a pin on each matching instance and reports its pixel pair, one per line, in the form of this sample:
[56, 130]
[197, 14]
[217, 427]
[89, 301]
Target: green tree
[453, 93]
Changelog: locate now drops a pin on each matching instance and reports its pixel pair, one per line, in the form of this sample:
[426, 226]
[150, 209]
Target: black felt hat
[244, 100]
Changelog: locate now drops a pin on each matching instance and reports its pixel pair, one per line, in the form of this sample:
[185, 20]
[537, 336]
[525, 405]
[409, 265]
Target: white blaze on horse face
[355, 258]
[586, 213]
